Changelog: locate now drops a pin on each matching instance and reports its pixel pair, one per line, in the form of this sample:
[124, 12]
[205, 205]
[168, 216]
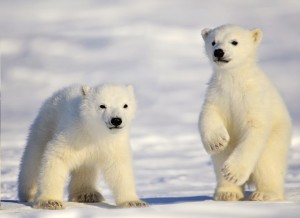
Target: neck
[240, 69]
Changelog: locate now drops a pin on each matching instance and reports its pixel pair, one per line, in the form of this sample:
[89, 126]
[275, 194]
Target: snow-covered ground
[156, 46]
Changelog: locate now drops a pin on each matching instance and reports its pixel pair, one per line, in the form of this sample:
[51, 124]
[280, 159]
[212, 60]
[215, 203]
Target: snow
[156, 46]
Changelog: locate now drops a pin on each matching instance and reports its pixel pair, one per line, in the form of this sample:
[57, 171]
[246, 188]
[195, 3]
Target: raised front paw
[235, 173]
[129, 204]
[48, 205]
[216, 140]
[87, 197]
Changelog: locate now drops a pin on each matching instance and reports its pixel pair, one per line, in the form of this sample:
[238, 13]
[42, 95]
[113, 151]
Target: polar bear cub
[244, 123]
[80, 131]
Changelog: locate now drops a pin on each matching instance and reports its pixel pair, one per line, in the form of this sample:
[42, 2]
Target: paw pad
[130, 204]
[89, 197]
[48, 205]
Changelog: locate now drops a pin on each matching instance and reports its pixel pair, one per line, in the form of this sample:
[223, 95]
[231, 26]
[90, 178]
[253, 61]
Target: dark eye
[235, 43]
[125, 106]
[213, 43]
[102, 106]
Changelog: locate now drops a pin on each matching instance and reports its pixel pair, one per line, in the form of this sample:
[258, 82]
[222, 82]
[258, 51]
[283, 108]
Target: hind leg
[30, 168]
[225, 191]
[28, 177]
[269, 173]
[83, 185]
[269, 184]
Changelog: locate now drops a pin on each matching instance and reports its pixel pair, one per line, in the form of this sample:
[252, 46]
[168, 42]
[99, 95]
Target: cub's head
[108, 108]
[229, 46]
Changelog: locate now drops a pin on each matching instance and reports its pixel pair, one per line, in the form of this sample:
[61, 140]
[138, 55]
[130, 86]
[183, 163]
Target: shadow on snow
[173, 200]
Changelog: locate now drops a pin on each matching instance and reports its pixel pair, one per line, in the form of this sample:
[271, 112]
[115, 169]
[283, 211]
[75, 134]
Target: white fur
[244, 123]
[73, 135]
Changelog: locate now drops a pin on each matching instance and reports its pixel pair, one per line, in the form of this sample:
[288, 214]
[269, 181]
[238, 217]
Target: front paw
[235, 173]
[216, 140]
[137, 203]
[48, 204]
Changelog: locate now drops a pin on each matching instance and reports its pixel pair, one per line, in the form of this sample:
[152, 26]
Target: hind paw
[87, 197]
[265, 196]
[137, 203]
[228, 196]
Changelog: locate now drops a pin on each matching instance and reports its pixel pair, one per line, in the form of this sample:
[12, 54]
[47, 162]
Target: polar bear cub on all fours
[81, 132]
[244, 123]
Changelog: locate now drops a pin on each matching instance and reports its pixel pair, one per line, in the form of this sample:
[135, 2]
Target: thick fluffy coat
[82, 132]
[244, 123]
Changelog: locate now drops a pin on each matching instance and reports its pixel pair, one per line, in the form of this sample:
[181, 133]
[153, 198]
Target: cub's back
[60, 108]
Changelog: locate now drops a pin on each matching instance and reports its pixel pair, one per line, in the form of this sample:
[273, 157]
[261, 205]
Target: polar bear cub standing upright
[244, 123]
[80, 131]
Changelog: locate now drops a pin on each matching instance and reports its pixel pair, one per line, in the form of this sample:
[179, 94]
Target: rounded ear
[130, 88]
[133, 100]
[85, 90]
[257, 35]
[205, 33]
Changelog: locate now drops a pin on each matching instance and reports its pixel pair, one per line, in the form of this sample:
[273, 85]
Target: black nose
[116, 121]
[218, 53]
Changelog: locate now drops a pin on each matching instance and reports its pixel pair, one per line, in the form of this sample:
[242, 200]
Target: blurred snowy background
[155, 45]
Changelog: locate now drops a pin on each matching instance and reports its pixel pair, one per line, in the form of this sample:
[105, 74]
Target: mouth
[114, 127]
[221, 60]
